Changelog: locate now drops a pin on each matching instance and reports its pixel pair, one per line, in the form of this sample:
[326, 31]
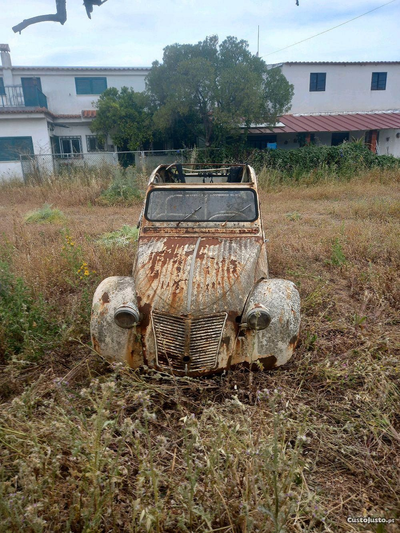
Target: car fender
[274, 345]
[110, 340]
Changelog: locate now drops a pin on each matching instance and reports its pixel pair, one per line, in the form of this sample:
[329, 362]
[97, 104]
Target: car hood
[196, 275]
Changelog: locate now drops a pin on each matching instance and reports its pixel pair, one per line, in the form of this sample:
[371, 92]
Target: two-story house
[338, 101]
[48, 110]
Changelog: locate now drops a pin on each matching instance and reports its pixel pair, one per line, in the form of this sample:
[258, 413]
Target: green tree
[215, 89]
[126, 117]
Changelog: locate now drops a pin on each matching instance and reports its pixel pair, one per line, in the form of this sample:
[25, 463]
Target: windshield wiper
[189, 215]
[234, 214]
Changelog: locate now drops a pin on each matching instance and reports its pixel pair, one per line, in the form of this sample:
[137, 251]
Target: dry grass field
[87, 446]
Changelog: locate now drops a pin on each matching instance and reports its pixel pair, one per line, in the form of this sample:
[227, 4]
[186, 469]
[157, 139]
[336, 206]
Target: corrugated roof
[332, 122]
[340, 62]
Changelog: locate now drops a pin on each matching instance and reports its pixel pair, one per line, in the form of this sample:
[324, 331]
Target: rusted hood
[196, 275]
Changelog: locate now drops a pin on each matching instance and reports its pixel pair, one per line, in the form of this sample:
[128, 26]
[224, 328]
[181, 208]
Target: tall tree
[125, 116]
[215, 89]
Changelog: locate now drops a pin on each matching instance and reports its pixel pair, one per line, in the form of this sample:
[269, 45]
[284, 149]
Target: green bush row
[345, 159]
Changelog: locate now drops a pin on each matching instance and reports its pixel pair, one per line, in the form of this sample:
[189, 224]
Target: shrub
[123, 190]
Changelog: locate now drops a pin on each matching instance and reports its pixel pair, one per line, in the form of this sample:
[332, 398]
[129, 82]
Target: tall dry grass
[87, 446]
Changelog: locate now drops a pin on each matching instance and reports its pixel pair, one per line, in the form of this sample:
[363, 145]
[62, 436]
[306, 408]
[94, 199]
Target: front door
[30, 88]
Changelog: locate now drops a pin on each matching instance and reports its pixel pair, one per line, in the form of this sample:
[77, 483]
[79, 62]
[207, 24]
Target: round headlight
[126, 316]
[258, 319]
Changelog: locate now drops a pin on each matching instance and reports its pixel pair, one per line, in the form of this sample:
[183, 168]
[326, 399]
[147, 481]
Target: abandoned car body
[200, 299]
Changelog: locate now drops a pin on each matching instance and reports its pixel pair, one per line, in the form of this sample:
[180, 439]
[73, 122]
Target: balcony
[13, 96]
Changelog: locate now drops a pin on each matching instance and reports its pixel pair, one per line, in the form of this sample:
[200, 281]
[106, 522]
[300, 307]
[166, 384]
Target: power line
[330, 29]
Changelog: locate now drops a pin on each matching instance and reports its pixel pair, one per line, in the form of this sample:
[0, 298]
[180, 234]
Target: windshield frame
[209, 190]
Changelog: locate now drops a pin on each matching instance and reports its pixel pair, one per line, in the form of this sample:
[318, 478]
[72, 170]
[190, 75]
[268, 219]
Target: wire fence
[41, 166]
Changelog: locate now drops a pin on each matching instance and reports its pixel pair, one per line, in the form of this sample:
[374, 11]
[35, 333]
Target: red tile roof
[88, 113]
[331, 122]
[23, 110]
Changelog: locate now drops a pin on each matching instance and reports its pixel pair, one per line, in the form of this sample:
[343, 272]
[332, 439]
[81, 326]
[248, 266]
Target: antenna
[258, 41]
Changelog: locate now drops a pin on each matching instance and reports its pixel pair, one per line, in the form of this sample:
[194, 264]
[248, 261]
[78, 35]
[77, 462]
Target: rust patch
[293, 341]
[105, 298]
[96, 344]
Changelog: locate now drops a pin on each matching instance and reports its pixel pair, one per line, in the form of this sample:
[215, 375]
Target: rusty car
[200, 299]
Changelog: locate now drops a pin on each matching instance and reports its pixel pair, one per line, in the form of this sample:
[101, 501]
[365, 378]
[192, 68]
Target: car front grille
[187, 344]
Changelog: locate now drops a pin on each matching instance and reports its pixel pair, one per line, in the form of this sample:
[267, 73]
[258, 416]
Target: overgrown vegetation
[309, 164]
[88, 446]
[124, 189]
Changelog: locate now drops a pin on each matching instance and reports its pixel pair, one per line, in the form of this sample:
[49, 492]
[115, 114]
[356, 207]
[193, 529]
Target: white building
[337, 101]
[48, 110]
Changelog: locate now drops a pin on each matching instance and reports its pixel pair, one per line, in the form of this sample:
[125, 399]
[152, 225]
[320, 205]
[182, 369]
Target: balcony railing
[14, 96]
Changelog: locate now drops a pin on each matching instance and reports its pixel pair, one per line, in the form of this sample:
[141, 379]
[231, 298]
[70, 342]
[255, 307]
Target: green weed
[337, 258]
[122, 237]
[45, 215]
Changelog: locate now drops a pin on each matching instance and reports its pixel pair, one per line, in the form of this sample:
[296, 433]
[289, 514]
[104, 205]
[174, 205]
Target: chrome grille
[190, 344]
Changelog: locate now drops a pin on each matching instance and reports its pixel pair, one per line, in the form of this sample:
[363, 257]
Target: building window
[378, 82]
[2, 89]
[90, 85]
[94, 144]
[11, 148]
[261, 141]
[70, 146]
[317, 81]
[339, 138]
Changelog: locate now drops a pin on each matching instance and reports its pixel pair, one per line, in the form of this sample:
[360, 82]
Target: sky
[134, 32]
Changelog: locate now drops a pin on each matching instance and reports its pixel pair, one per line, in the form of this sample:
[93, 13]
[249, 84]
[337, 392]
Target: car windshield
[201, 205]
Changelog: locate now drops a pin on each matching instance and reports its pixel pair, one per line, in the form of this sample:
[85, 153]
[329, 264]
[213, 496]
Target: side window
[378, 82]
[11, 148]
[70, 146]
[90, 85]
[339, 137]
[317, 81]
[94, 144]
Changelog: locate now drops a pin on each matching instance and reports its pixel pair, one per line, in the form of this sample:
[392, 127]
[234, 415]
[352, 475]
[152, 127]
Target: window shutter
[12, 147]
[82, 85]
[90, 85]
[99, 85]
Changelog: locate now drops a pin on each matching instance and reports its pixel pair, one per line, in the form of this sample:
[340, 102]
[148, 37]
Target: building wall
[389, 143]
[74, 130]
[348, 88]
[24, 126]
[10, 170]
[59, 86]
